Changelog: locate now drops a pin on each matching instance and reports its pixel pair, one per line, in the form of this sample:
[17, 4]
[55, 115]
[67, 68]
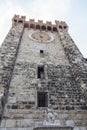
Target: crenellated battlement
[18, 19]
[48, 26]
[61, 25]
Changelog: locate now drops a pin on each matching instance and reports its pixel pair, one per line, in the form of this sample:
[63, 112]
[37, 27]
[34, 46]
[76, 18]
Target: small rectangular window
[41, 51]
[41, 72]
[42, 99]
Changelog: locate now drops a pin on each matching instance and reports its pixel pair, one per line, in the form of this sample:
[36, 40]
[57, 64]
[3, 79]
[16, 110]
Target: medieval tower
[43, 78]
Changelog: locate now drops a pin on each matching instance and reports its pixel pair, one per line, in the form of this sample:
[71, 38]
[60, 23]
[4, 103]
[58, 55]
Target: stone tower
[43, 78]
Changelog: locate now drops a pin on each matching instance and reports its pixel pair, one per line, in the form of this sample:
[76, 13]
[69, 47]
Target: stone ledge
[54, 128]
[40, 128]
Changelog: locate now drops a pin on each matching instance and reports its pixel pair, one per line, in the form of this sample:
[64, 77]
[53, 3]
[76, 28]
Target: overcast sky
[74, 12]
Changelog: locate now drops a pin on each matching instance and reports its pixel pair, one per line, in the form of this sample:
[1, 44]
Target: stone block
[76, 128]
[65, 116]
[70, 123]
[27, 123]
[83, 128]
[10, 123]
[3, 124]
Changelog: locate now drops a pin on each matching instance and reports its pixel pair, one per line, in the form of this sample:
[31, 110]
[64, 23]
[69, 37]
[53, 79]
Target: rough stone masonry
[43, 78]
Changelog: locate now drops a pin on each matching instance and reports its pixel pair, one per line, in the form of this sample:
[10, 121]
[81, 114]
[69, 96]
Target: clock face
[41, 37]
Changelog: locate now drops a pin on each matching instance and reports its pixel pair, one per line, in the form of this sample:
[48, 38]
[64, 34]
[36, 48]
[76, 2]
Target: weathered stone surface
[10, 123]
[76, 128]
[8, 55]
[77, 61]
[65, 80]
[70, 123]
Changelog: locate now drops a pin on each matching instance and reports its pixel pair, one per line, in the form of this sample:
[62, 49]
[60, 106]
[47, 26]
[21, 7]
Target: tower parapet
[18, 19]
[61, 25]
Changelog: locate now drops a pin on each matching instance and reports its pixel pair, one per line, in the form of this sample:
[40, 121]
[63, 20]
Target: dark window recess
[43, 27]
[60, 26]
[55, 29]
[41, 51]
[42, 99]
[15, 20]
[65, 27]
[85, 59]
[20, 21]
[41, 72]
[14, 106]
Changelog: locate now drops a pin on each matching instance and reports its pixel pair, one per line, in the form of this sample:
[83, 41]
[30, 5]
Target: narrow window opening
[41, 72]
[26, 25]
[42, 99]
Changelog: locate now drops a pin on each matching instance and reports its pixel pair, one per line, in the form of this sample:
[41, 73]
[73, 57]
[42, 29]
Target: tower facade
[43, 78]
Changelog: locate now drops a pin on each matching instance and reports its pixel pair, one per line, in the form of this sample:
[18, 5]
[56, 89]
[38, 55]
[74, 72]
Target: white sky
[73, 12]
